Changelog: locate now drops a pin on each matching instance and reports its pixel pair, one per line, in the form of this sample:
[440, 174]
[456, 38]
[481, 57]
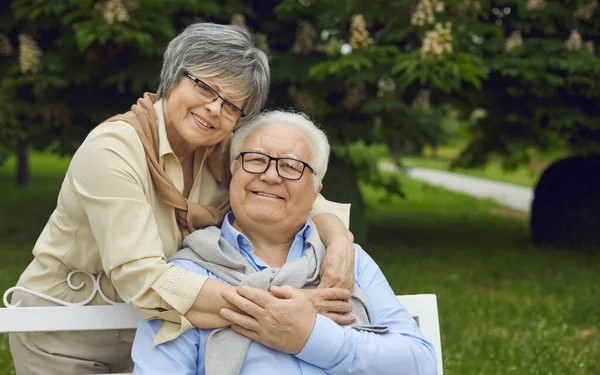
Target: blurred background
[465, 134]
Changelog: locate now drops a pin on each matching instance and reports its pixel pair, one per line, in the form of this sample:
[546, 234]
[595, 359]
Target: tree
[68, 65]
[543, 81]
[376, 75]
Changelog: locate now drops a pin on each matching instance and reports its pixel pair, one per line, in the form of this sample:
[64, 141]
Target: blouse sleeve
[109, 176]
[323, 206]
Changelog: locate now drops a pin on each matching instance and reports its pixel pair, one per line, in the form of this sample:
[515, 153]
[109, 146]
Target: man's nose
[271, 173]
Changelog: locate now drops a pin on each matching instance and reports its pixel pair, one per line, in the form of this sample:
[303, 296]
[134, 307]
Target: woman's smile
[201, 122]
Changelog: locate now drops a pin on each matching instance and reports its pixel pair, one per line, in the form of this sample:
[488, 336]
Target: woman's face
[192, 120]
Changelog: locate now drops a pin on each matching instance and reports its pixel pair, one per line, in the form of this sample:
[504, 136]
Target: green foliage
[365, 160]
[447, 75]
[360, 78]
[542, 95]
[94, 62]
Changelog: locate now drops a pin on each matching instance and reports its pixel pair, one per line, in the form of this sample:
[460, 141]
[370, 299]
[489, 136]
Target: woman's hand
[338, 266]
[332, 303]
[204, 313]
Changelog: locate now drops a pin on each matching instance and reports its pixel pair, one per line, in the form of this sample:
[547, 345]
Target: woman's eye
[204, 87]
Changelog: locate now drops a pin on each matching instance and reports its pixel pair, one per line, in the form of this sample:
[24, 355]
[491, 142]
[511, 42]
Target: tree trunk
[341, 185]
[434, 151]
[23, 176]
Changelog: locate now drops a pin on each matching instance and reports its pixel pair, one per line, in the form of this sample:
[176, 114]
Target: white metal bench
[423, 307]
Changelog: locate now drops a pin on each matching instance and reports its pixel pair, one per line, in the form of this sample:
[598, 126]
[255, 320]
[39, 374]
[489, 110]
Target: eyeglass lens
[209, 93]
[290, 169]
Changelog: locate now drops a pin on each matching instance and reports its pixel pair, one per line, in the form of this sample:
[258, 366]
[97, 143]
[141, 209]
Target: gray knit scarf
[207, 248]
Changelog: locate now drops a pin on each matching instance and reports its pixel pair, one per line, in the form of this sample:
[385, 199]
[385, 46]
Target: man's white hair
[316, 137]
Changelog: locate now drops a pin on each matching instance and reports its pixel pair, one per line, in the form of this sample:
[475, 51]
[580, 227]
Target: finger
[340, 319]
[258, 296]
[242, 303]
[335, 306]
[332, 280]
[242, 320]
[284, 292]
[252, 335]
[333, 294]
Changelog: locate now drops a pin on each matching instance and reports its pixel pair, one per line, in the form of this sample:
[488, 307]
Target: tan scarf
[190, 215]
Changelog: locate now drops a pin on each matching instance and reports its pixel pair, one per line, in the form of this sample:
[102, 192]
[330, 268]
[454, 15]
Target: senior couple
[269, 247]
[141, 182]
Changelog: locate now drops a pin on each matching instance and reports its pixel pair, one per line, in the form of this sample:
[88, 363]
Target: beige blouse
[109, 218]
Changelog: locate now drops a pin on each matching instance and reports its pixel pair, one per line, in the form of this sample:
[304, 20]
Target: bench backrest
[423, 307]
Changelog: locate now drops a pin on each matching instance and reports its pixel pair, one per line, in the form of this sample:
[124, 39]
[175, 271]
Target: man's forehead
[278, 138]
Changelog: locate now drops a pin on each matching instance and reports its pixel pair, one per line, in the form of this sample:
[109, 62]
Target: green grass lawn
[505, 307]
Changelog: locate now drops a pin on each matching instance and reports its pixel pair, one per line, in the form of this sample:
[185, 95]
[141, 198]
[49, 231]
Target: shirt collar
[164, 147]
[242, 244]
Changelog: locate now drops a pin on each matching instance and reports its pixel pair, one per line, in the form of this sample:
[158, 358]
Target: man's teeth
[202, 122]
[267, 195]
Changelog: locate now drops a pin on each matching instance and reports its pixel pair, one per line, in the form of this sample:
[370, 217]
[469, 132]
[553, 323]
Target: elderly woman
[140, 183]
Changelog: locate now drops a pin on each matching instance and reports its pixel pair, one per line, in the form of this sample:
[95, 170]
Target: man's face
[266, 198]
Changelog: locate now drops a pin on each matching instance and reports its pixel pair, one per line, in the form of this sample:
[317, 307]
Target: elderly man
[270, 248]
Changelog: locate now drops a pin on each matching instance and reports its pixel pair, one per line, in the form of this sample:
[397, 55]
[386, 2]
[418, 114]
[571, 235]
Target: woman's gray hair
[223, 52]
[316, 137]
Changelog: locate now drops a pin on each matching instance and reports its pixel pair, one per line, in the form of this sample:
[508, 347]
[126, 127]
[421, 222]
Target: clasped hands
[284, 318]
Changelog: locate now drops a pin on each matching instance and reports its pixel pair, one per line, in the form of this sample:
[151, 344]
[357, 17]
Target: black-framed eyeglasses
[287, 168]
[230, 109]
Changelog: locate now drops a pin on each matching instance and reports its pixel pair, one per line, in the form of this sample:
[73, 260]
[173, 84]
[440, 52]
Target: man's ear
[317, 192]
[235, 165]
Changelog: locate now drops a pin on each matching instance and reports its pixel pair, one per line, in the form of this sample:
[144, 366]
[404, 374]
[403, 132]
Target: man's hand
[282, 319]
[338, 266]
[332, 303]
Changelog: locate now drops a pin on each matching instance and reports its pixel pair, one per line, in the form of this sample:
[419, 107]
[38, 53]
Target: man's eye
[257, 160]
[291, 165]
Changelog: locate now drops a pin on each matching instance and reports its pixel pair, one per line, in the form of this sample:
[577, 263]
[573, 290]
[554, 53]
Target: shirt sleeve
[183, 355]
[323, 206]
[108, 174]
[343, 350]
[174, 357]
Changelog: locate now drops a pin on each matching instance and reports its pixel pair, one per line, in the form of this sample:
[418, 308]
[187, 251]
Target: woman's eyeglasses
[230, 110]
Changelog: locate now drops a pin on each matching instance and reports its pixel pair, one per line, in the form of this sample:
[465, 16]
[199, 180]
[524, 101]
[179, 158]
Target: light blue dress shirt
[331, 349]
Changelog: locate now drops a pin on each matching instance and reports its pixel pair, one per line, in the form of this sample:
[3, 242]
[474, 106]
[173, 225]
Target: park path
[513, 196]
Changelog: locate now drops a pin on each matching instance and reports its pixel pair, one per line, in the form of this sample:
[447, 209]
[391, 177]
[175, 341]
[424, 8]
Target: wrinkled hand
[332, 303]
[338, 266]
[282, 319]
[204, 313]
